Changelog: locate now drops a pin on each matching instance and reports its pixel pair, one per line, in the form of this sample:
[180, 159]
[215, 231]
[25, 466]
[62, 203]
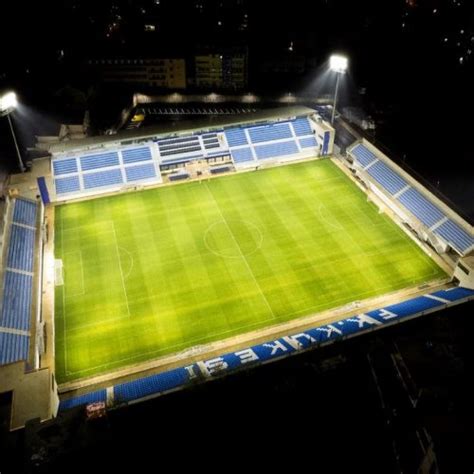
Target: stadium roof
[182, 126]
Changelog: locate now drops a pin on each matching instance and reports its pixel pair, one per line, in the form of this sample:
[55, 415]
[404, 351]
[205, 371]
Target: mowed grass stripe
[166, 269]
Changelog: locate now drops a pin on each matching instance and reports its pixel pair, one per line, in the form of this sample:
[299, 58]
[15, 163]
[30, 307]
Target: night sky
[414, 59]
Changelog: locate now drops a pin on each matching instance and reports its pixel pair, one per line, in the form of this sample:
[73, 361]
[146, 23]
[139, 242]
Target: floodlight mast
[8, 103]
[338, 64]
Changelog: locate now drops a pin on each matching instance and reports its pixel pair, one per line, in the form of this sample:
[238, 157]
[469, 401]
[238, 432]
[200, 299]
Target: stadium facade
[169, 156]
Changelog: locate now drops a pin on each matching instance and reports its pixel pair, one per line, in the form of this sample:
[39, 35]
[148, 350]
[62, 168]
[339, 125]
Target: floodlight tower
[8, 103]
[338, 64]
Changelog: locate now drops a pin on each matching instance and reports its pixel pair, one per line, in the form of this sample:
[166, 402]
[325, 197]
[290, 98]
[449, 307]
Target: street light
[338, 64]
[8, 103]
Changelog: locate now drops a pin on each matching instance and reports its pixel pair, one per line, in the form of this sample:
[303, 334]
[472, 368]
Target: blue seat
[236, 137]
[64, 166]
[268, 133]
[103, 160]
[136, 155]
[241, 155]
[454, 294]
[409, 308]
[67, 185]
[102, 179]
[363, 155]
[274, 150]
[147, 386]
[220, 169]
[21, 248]
[210, 141]
[309, 142]
[180, 146]
[421, 207]
[140, 172]
[25, 212]
[455, 236]
[167, 142]
[180, 150]
[13, 348]
[93, 397]
[178, 177]
[17, 299]
[182, 159]
[387, 178]
[302, 127]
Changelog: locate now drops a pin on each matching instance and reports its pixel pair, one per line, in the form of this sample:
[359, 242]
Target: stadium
[138, 263]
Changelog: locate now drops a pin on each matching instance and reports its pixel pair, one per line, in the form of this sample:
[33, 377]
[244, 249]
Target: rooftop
[210, 123]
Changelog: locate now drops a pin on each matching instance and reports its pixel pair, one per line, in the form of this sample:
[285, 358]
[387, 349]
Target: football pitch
[158, 271]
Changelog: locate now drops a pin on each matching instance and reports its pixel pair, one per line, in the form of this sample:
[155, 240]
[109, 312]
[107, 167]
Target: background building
[161, 73]
[221, 69]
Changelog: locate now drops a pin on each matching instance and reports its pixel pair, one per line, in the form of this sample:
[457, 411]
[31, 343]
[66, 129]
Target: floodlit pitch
[156, 272]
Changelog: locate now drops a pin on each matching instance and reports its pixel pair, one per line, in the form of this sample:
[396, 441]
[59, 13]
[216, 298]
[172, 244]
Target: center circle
[233, 238]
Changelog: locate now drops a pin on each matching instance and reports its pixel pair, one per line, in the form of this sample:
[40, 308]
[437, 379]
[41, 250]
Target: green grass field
[158, 271]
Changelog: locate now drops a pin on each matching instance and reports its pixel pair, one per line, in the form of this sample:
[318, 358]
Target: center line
[120, 266]
[241, 253]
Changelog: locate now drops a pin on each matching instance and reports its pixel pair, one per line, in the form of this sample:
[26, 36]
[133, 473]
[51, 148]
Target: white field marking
[242, 255]
[83, 292]
[63, 290]
[131, 259]
[333, 261]
[357, 211]
[217, 335]
[433, 272]
[251, 224]
[95, 323]
[120, 267]
[356, 244]
[377, 292]
[188, 343]
[362, 251]
[164, 251]
[336, 226]
[279, 255]
[320, 264]
[329, 263]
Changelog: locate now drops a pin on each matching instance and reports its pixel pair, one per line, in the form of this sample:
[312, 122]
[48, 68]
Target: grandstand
[151, 251]
[264, 138]
[16, 309]
[433, 220]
